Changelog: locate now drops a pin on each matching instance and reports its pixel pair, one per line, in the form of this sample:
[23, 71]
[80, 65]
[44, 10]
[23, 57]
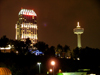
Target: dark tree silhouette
[76, 52]
[19, 46]
[28, 42]
[11, 42]
[41, 46]
[59, 48]
[28, 45]
[50, 52]
[66, 48]
[4, 41]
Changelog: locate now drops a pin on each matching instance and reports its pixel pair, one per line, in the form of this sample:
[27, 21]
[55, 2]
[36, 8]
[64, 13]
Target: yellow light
[22, 25]
[47, 72]
[78, 58]
[34, 26]
[22, 35]
[28, 26]
[16, 26]
[9, 47]
[59, 70]
[16, 52]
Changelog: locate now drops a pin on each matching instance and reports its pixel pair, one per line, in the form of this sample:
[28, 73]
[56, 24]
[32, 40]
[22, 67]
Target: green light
[72, 73]
[60, 74]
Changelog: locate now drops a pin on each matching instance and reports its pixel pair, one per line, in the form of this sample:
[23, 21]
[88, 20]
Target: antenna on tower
[78, 24]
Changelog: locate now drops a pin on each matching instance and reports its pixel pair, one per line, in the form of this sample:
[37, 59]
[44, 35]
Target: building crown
[27, 12]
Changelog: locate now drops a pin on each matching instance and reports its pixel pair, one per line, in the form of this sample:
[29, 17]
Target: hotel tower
[26, 26]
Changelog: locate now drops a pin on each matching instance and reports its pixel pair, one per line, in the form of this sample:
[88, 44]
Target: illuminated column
[78, 30]
[32, 31]
[79, 40]
[16, 31]
[23, 32]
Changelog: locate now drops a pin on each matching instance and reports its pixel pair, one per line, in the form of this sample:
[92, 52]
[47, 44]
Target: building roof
[27, 12]
[5, 71]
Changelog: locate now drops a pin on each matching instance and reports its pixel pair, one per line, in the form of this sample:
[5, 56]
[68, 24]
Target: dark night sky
[56, 20]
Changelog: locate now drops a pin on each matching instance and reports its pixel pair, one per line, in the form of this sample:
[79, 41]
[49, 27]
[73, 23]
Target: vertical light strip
[16, 31]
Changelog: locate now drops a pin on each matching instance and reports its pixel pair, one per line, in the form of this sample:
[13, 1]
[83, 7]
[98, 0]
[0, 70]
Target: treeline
[24, 47]
[60, 51]
[25, 63]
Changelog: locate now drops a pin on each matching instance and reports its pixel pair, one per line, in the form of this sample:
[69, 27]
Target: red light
[29, 13]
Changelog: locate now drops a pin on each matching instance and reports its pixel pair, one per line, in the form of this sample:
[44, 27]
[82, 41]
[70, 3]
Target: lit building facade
[26, 26]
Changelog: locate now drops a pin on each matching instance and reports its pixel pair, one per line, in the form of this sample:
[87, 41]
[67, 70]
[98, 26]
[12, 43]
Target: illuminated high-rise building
[78, 30]
[26, 26]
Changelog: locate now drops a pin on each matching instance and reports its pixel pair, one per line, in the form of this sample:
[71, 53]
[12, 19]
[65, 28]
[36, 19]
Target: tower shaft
[79, 40]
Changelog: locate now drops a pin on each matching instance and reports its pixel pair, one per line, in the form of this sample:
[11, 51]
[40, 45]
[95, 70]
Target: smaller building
[6, 49]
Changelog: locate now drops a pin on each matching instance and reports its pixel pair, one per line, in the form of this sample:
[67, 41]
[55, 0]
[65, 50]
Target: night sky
[56, 20]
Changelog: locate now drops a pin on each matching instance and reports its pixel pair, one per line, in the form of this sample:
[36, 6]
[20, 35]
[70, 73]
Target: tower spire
[78, 26]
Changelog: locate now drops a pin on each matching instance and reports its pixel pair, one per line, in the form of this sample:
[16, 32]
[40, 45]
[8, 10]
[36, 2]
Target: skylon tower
[78, 30]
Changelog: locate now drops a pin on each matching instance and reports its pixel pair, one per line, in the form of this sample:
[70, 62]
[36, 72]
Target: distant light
[16, 52]
[50, 70]
[68, 57]
[7, 48]
[37, 52]
[78, 58]
[47, 72]
[60, 70]
[92, 74]
[38, 63]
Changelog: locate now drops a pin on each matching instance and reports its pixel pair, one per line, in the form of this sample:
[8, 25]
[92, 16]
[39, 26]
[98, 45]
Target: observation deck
[78, 29]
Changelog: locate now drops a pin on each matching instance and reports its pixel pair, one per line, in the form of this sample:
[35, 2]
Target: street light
[39, 63]
[53, 63]
[50, 70]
